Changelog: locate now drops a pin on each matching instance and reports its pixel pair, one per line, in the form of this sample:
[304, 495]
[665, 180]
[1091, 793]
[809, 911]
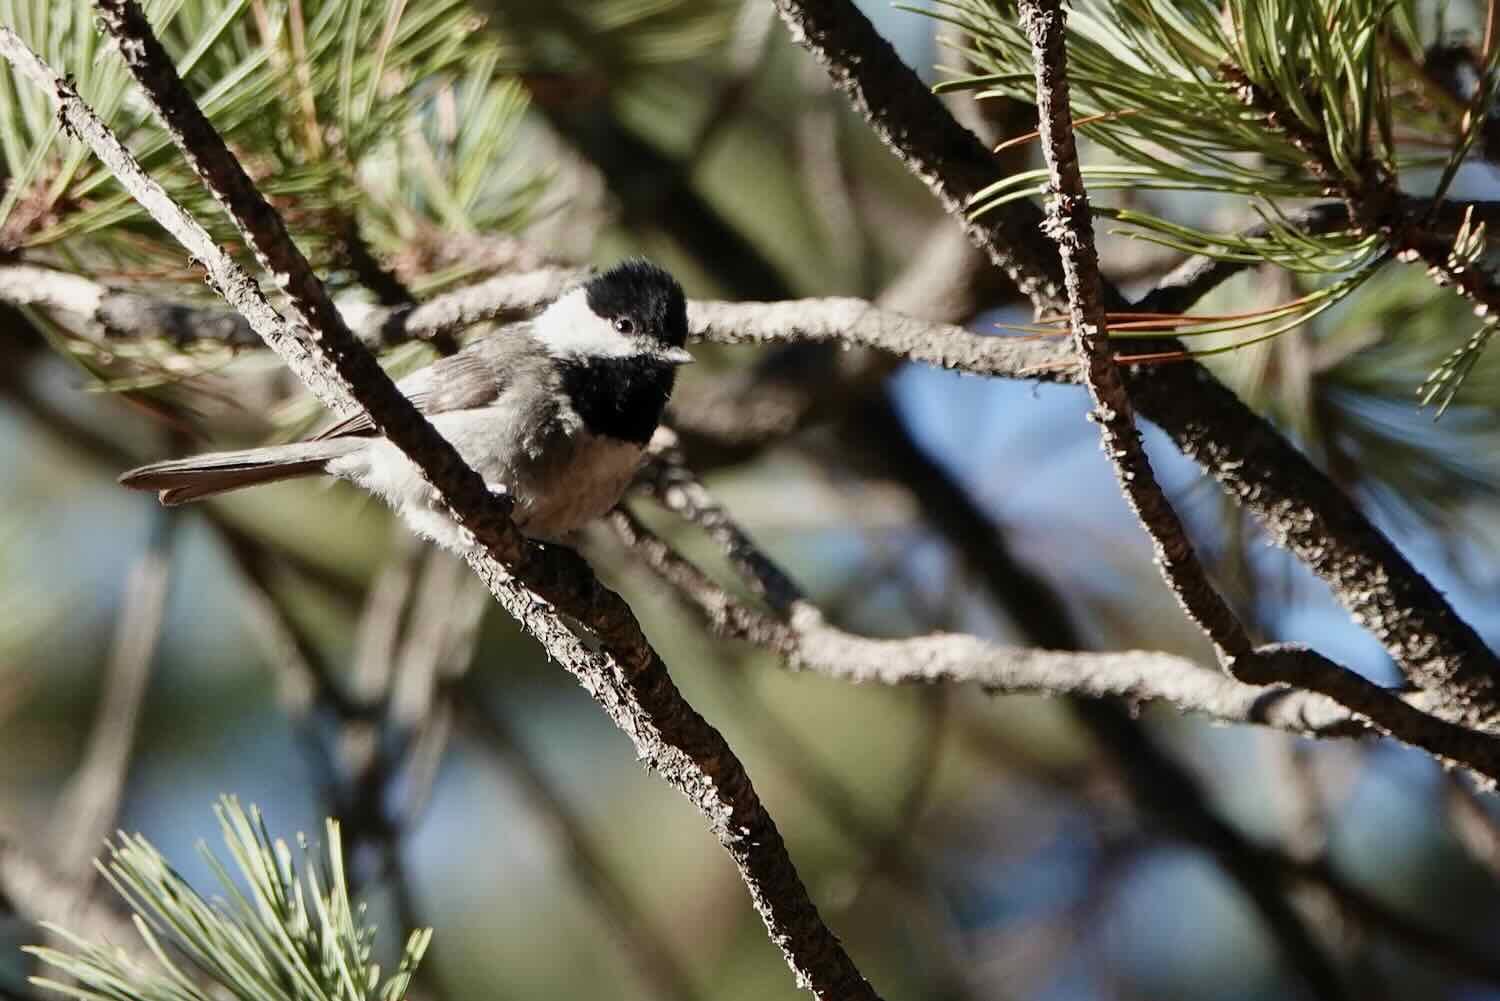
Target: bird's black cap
[648, 295]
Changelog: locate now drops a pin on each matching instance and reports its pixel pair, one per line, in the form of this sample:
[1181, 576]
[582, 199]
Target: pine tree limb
[1070, 224]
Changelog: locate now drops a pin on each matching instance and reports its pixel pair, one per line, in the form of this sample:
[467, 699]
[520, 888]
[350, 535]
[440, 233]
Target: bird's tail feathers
[178, 481]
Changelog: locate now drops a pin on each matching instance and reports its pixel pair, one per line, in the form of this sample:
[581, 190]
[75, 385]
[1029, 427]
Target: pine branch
[1070, 224]
[125, 316]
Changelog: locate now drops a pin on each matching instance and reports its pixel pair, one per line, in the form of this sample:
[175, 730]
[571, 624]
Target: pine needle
[283, 932]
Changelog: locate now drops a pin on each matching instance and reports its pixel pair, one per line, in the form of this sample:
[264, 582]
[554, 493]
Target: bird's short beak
[677, 356]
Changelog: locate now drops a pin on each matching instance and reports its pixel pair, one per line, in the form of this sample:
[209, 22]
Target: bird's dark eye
[624, 324]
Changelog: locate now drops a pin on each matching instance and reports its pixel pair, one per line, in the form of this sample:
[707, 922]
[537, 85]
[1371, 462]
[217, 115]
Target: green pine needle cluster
[1266, 103]
[1160, 87]
[358, 89]
[278, 935]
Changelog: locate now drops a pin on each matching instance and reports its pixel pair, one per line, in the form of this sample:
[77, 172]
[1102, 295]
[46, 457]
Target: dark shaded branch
[382, 282]
[1172, 796]
[627, 676]
[126, 315]
[1374, 914]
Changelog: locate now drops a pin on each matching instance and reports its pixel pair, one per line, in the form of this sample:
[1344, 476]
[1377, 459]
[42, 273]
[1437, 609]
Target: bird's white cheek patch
[569, 328]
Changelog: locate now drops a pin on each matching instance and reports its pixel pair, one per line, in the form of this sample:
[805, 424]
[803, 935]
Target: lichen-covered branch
[805, 642]
[1071, 226]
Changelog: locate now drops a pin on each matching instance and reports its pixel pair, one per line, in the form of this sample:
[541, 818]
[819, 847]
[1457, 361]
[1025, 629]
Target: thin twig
[389, 290]
[807, 643]
[670, 481]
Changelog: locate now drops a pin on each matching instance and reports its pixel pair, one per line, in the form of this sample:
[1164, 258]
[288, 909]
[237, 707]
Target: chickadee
[555, 412]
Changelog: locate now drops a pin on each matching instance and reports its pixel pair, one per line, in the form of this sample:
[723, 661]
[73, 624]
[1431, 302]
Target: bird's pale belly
[554, 497]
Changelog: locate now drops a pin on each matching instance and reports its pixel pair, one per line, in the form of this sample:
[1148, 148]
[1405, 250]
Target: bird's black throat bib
[619, 397]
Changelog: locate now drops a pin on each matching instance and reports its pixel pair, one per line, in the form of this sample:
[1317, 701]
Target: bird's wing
[474, 377]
